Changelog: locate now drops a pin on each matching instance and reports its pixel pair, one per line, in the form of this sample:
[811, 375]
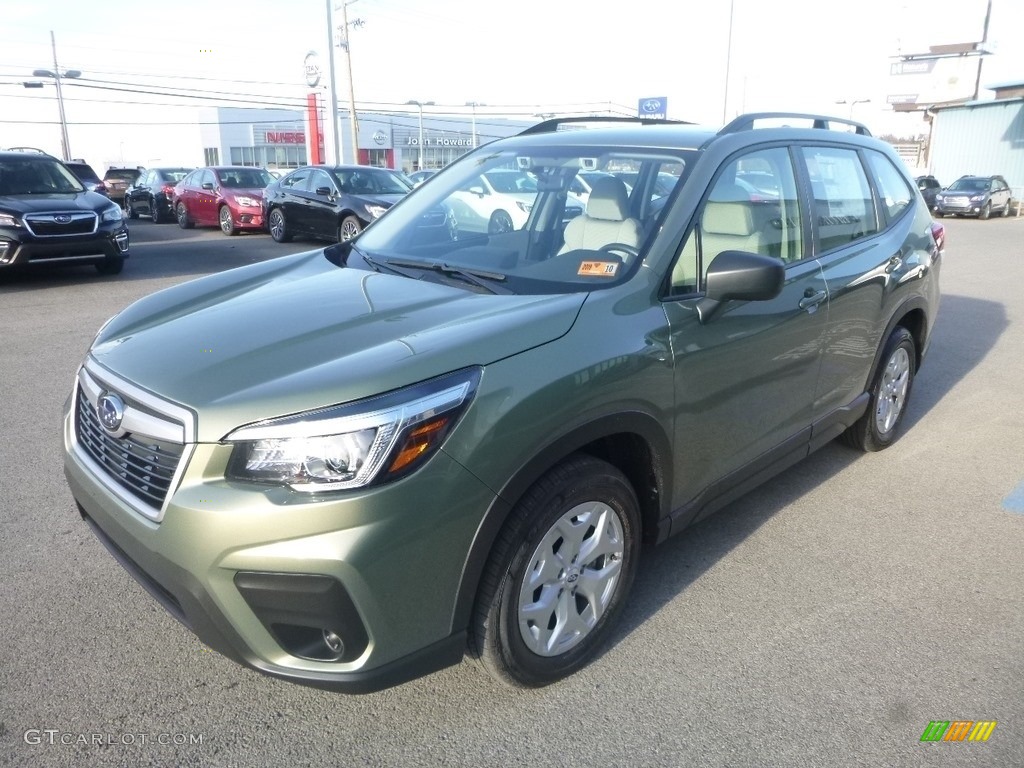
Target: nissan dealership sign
[312, 67]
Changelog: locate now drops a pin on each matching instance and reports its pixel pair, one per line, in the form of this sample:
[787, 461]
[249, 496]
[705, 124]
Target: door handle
[893, 264]
[812, 299]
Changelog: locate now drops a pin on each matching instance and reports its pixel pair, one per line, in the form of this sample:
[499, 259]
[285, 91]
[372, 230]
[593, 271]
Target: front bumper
[263, 574]
[24, 248]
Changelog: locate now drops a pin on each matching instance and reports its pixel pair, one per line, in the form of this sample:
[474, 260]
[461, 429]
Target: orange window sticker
[598, 268]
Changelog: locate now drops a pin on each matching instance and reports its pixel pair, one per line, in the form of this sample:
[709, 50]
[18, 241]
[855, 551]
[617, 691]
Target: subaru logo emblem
[110, 409]
[62, 218]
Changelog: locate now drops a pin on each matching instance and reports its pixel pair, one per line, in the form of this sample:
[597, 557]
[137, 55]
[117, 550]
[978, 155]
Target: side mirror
[323, 191]
[478, 191]
[207, 185]
[740, 276]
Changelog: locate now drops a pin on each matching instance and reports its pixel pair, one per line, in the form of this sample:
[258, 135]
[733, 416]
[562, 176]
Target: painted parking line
[1015, 501]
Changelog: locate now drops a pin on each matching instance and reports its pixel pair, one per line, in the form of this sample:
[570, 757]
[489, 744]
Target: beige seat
[729, 227]
[606, 219]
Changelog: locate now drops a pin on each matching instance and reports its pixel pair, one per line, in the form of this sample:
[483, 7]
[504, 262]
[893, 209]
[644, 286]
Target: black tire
[278, 226]
[890, 394]
[986, 211]
[129, 211]
[183, 219]
[350, 227]
[504, 637]
[155, 213]
[500, 223]
[1006, 208]
[939, 214]
[112, 265]
[227, 222]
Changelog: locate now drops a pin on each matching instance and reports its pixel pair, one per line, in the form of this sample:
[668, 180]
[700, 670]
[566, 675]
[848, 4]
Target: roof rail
[746, 122]
[549, 126]
[30, 150]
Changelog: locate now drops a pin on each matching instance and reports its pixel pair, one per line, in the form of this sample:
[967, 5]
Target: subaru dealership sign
[654, 107]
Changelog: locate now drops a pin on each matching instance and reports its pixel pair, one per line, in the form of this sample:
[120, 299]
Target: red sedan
[229, 197]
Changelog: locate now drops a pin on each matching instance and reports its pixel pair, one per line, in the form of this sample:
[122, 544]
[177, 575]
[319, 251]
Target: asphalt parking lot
[823, 620]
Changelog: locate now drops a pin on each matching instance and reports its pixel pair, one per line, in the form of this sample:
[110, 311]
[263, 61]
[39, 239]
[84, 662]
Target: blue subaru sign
[655, 107]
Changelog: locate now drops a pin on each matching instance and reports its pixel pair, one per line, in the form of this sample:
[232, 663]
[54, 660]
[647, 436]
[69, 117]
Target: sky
[148, 67]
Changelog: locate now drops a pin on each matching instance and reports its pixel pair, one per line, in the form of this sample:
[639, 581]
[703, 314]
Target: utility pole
[351, 86]
[336, 158]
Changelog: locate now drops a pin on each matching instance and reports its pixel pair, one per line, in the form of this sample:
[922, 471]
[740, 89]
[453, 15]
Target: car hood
[298, 333]
[58, 201]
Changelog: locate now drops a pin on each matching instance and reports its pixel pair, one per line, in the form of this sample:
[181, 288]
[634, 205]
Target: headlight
[349, 446]
[7, 220]
[113, 213]
[524, 207]
[977, 198]
[939, 198]
[376, 211]
[248, 202]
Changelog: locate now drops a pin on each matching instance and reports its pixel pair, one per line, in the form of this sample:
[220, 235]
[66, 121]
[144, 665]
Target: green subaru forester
[349, 467]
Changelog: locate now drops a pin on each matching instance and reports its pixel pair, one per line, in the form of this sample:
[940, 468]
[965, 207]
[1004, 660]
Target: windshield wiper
[379, 265]
[490, 281]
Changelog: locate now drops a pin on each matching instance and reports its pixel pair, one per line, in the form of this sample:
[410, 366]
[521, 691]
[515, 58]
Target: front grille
[47, 224]
[141, 465]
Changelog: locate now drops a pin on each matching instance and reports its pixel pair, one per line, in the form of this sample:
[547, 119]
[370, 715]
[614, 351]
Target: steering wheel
[629, 250]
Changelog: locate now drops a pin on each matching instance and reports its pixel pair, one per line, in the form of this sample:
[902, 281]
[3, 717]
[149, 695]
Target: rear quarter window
[893, 187]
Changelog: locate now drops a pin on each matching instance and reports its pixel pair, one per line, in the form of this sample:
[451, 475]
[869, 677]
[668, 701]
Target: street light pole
[474, 105]
[57, 75]
[421, 105]
[854, 103]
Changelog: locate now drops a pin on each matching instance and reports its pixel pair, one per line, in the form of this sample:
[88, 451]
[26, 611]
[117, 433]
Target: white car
[500, 201]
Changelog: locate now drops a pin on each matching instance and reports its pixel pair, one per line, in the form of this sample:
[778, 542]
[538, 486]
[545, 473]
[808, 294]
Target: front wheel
[890, 391]
[558, 575]
[500, 223]
[227, 223]
[986, 211]
[350, 227]
[183, 220]
[278, 226]
[112, 265]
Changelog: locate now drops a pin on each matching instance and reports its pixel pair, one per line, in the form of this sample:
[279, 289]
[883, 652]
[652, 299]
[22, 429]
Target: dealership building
[280, 139]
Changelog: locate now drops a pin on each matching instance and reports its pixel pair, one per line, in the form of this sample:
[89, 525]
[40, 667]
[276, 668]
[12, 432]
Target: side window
[843, 207]
[895, 191]
[318, 180]
[752, 206]
[205, 177]
[295, 182]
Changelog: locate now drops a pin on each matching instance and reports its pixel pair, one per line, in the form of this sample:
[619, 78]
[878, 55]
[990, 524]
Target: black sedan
[330, 202]
[152, 192]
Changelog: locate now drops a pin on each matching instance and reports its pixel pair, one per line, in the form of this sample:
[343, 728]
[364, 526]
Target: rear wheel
[183, 220]
[350, 227]
[1006, 208]
[890, 392]
[129, 211]
[278, 226]
[155, 213]
[559, 574]
[227, 223]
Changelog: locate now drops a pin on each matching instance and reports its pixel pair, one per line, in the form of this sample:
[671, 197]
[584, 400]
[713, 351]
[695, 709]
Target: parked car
[500, 200]
[152, 194]
[979, 196]
[929, 187]
[87, 176]
[418, 177]
[352, 466]
[330, 202]
[117, 181]
[47, 216]
[229, 197]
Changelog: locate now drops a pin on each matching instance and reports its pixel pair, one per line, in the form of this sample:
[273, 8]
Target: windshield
[510, 215]
[36, 177]
[245, 178]
[969, 185]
